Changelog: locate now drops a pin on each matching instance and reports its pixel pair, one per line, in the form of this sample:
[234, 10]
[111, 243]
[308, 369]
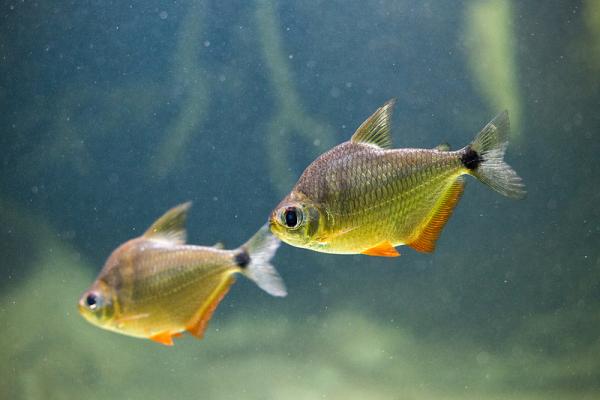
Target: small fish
[156, 287]
[364, 197]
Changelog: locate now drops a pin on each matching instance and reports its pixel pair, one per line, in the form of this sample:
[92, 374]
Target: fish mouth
[81, 307]
[85, 313]
[276, 228]
[272, 222]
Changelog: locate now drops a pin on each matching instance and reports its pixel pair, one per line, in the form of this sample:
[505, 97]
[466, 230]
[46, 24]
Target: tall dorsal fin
[376, 129]
[171, 226]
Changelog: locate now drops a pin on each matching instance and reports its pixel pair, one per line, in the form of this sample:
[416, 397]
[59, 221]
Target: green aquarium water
[114, 111]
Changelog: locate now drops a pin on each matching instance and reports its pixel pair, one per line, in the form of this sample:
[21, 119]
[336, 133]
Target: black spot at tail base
[471, 158]
[242, 259]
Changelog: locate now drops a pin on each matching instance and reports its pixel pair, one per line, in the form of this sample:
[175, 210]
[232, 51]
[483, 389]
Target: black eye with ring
[292, 217]
[92, 301]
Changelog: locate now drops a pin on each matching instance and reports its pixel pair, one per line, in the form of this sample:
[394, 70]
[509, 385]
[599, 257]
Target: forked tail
[484, 158]
[254, 259]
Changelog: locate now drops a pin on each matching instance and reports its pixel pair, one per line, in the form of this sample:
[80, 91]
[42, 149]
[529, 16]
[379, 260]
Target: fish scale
[156, 287]
[375, 186]
[363, 197]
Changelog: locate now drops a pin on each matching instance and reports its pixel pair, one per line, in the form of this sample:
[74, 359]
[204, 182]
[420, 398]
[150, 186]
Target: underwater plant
[491, 53]
[290, 120]
[187, 74]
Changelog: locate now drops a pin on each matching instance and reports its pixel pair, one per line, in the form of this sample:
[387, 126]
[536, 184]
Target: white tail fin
[254, 258]
[484, 158]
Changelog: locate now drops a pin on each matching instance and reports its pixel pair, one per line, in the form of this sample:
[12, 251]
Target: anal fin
[383, 249]
[199, 322]
[165, 338]
[442, 211]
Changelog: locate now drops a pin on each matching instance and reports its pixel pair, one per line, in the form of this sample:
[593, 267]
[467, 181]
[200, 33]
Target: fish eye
[93, 301]
[292, 217]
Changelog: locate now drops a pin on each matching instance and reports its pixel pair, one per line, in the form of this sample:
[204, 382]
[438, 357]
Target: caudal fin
[484, 158]
[254, 258]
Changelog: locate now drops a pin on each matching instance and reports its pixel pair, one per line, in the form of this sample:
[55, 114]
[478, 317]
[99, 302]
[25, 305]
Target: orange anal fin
[383, 249]
[165, 338]
[200, 321]
[430, 232]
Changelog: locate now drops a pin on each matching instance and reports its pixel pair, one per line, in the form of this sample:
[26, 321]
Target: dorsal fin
[171, 226]
[442, 147]
[376, 129]
[430, 232]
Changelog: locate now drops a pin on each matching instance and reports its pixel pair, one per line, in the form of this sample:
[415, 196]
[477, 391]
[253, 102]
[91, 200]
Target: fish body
[157, 287]
[364, 197]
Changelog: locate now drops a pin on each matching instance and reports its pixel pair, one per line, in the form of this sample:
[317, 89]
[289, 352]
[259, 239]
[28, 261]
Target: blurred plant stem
[491, 53]
[188, 75]
[290, 117]
[592, 21]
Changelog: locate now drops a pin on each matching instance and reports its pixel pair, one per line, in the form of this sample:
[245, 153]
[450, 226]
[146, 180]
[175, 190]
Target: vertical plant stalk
[188, 74]
[290, 117]
[491, 54]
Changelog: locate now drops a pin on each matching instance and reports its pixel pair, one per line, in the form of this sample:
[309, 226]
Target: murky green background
[112, 112]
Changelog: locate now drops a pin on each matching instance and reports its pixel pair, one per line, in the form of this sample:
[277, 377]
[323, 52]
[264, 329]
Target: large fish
[364, 197]
[156, 287]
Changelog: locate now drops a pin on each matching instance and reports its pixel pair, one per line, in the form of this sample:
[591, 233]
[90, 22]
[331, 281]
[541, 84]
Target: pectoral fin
[165, 338]
[383, 249]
